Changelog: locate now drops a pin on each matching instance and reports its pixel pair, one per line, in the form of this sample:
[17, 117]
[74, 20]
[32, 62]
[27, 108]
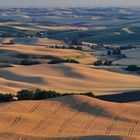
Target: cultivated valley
[69, 74]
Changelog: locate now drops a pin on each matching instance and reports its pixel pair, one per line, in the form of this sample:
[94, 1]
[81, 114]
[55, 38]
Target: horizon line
[71, 7]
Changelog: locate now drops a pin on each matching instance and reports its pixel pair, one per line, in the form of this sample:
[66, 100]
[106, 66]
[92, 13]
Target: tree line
[37, 94]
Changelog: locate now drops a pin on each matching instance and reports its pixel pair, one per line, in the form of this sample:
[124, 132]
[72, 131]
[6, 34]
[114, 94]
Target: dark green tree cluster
[59, 60]
[25, 94]
[29, 62]
[6, 97]
[133, 68]
[37, 94]
[103, 63]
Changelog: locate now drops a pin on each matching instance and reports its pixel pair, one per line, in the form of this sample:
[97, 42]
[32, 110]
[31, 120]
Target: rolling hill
[66, 77]
[70, 117]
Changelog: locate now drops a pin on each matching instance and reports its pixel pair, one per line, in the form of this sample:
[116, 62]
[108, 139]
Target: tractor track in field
[16, 120]
[132, 128]
[38, 125]
[44, 120]
[34, 108]
[19, 117]
[112, 124]
[87, 126]
[68, 121]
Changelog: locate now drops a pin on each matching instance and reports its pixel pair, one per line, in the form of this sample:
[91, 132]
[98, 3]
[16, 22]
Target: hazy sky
[68, 3]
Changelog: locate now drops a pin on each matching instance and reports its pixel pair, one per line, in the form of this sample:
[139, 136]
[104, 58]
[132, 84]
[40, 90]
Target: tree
[98, 63]
[25, 94]
[79, 48]
[133, 68]
[29, 62]
[59, 60]
[90, 94]
[109, 52]
[42, 94]
[6, 97]
[74, 41]
[108, 63]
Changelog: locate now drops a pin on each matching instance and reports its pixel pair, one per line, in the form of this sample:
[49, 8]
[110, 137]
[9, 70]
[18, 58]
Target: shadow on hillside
[84, 105]
[8, 75]
[68, 71]
[125, 97]
[28, 137]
